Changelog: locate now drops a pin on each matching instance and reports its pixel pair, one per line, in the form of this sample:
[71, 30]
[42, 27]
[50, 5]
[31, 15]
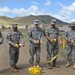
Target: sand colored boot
[13, 69]
[68, 64]
[55, 65]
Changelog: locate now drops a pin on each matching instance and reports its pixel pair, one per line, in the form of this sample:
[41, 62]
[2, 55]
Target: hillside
[28, 20]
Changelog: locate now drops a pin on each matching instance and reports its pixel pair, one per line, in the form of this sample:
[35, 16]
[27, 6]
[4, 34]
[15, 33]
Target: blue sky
[61, 9]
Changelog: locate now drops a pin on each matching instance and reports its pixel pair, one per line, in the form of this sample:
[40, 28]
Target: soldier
[35, 36]
[70, 48]
[14, 38]
[1, 38]
[52, 35]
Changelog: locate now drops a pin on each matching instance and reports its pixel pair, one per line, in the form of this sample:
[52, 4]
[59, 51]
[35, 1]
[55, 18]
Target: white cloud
[34, 10]
[70, 8]
[4, 9]
[65, 14]
[1, 14]
[60, 4]
[35, 3]
[24, 12]
[47, 3]
[72, 20]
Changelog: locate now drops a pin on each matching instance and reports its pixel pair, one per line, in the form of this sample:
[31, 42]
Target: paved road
[24, 64]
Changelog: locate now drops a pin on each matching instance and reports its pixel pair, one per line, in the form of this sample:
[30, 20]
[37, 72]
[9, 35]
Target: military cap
[53, 21]
[14, 25]
[36, 21]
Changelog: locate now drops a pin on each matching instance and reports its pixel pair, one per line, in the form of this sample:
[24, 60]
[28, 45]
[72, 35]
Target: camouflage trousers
[52, 50]
[34, 50]
[14, 55]
[70, 50]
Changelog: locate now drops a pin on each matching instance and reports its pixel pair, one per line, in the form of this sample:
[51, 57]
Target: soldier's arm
[47, 34]
[42, 35]
[22, 41]
[9, 39]
[1, 38]
[59, 36]
[30, 36]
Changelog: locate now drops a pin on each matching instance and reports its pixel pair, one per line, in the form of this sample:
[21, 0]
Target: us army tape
[55, 56]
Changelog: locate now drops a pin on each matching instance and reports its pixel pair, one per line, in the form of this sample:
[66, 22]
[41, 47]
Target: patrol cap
[53, 21]
[14, 25]
[36, 21]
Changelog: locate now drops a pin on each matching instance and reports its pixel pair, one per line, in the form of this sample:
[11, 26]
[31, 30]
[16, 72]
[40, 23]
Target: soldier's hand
[52, 40]
[69, 41]
[35, 42]
[15, 45]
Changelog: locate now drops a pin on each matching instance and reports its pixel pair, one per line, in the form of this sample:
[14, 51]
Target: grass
[1, 29]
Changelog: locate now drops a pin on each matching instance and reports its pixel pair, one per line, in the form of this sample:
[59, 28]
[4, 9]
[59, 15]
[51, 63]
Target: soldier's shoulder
[40, 28]
[31, 28]
[10, 31]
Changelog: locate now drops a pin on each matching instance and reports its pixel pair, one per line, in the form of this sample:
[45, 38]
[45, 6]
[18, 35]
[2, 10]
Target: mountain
[28, 20]
[5, 20]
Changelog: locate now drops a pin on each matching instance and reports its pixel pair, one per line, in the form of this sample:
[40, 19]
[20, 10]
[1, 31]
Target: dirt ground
[23, 62]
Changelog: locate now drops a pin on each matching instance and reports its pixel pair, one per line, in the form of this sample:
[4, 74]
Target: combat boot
[55, 65]
[68, 64]
[48, 65]
[13, 69]
[74, 66]
[16, 67]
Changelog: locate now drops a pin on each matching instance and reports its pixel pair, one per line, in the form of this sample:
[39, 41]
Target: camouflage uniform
[70, 35]
[14, 38]
[1, 38]
[52, 47]
[35, 34]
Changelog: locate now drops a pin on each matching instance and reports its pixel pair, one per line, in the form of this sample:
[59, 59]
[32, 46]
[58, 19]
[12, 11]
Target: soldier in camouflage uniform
[52, 35]
[14, 38]
[1, 38]
[70, 48]
[35, 36]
